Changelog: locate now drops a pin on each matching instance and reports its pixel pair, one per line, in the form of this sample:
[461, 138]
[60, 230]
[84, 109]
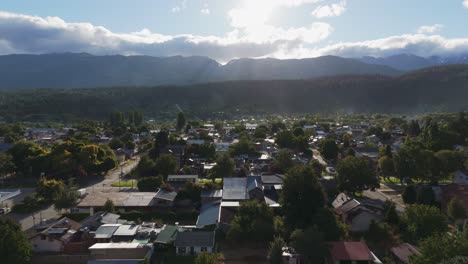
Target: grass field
[129, 183]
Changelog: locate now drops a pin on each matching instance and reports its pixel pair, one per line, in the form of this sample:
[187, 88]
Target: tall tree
[14, 245]
[181, 121]
[283, 161]
[355, 175]
[224, 167]
[310, 244]
[165, 165]
[423, 221]
[301, 198]
[455, 209]
[442, 247]
[329, 149]
[109, 206]
[253, 221]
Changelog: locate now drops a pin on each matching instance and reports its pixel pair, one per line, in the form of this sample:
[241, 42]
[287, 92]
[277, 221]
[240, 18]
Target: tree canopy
[15, 247]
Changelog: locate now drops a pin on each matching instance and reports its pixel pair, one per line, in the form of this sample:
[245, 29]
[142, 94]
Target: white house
[191, 243]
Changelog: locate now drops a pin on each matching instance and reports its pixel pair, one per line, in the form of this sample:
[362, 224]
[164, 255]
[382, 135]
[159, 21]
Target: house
[193, 243]
[64, 236]
[125, 233]
[402, 253]
[342, 252]
[122, 200]
[211, 195]
[181, 179]
[242, 189]
[167, 235]
[128, 253]
[105, 233]
[165, 198]
[100, 218]
[209, 214]
[356, 215]
[461, 177]
[271, 182]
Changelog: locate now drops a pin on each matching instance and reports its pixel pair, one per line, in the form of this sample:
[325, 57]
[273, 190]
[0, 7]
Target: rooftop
[126, 230]
[167, 235]
[202, 239]
[106, 231]
[357, 251]
[120, 199]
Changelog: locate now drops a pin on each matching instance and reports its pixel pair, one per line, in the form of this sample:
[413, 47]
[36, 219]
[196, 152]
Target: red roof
[350, 251]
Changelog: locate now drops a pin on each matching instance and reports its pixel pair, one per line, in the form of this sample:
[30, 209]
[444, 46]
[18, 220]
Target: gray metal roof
[235, 189]
[166, 195]
[209, 214]
[212, 193]
[200, 239]
[273, 179]
[120, 199]
[126, 230]
[106, 231]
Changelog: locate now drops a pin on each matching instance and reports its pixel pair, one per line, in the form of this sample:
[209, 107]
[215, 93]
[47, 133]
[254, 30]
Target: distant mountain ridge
[82, 70]
[409, 62]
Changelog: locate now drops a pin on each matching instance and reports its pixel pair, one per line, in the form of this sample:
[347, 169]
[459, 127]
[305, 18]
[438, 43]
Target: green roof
[167, 235]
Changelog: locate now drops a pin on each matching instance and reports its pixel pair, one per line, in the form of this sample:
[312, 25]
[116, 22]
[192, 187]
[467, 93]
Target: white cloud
[33, 34]
[205, 11]
[178, 8]
[465, 3]
[430, 29]
[332, 10]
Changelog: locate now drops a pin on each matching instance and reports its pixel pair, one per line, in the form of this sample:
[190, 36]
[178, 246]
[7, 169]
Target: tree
[380, 237]
[413, 128]
[165, 165]
[116, 143]
[224, 167]
[310, 244]
[109, 206]
[283, 161]
[275, 252]
[355, 175]
[301, 198]
[149, 184]
[146, 167]
[423, 221]
[425, 195]
[181, 121]
[409, 194]
[206, 258]
[67, 198]
[253, 221]
[15, 247]
[391, 215]
[386, 166]
[298, 131]
[49, 189]
[442, 247]
[455, 209]
[285, 139]
[23, 154]
[277, 126]
[6, 164]
[329, 149]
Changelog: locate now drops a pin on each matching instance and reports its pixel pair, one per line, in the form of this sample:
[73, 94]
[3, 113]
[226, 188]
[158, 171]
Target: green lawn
[204, 181]
[129, 183]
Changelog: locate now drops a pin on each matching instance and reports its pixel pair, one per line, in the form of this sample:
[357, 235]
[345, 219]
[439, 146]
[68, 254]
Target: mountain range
[82, 70]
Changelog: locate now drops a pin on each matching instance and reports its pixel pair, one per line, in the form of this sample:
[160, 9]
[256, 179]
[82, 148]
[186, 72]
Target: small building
[122, 200]
[241, 189]
[290, 256]
[211, 195]
[194, 243]
[357, 216]
[182, 178]
[402, 253]
[167, 235]
[105, 232]
[350, 252]
[165, 198]
[125, 233]
[128, 253]
[100, 218]
[64, 236]
[209, 214]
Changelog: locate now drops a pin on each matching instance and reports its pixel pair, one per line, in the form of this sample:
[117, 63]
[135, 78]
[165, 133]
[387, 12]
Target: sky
[226, 30]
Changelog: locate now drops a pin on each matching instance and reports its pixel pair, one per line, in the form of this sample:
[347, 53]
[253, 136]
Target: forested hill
[72, 70]
[441, 88]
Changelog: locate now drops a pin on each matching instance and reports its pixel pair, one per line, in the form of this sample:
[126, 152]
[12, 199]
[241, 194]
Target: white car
[330, 170]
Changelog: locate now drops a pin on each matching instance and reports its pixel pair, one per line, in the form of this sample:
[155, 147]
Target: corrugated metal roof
[209, 214]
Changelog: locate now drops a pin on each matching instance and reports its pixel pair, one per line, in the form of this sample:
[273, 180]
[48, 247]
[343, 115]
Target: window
[182, 250]
[203, 249]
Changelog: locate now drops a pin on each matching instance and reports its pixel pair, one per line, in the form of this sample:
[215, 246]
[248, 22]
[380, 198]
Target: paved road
[318, 157]
[49, 214]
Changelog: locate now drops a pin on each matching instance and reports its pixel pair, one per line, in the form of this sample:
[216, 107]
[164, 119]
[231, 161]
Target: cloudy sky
[224, 30]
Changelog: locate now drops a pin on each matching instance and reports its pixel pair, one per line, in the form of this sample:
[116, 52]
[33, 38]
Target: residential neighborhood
[308, 189]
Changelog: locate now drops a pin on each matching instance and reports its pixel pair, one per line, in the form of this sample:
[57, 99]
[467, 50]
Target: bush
[409, 195]
[149, 184]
